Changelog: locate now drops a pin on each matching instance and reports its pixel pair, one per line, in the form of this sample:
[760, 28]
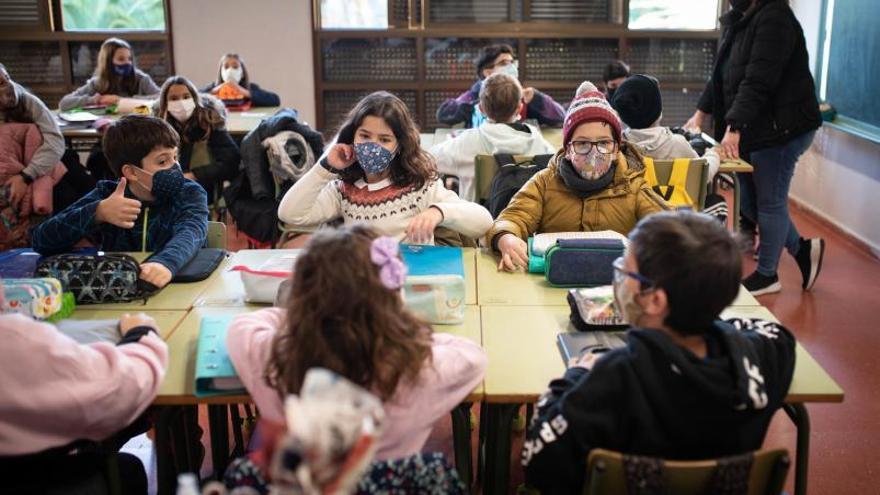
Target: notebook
[432, 260]
[215, 374]
[576, 344]
[541, 243]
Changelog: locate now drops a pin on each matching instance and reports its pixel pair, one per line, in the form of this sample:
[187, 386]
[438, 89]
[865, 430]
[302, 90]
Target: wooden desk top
[226, 289]
[178, 388]
[524, 357]
[237, 123]
[167, 320]
[529, 289]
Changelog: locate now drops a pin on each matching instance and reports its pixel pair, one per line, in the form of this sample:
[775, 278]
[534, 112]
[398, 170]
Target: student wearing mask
[496, 59]
[613, 76]
[688, 385]
[233, 73]
[116, 76]
[200, 121]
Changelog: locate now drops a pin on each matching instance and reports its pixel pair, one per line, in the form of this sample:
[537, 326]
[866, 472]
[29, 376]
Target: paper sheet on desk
[78, 116]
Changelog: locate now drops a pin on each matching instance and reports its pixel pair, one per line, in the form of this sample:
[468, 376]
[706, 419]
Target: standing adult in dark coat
[762, 101]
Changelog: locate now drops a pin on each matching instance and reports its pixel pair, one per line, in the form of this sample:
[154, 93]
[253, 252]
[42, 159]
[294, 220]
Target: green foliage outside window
[113, 15]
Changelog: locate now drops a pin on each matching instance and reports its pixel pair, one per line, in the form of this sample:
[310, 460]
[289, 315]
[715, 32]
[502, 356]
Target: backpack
[674, 192]
[510, 177]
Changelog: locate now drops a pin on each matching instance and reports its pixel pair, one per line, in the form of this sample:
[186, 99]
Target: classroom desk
[530, 289]
[227, 290]
[524, 358]
[237, 123]
[167, 320]
[178, 388]
[171, 297]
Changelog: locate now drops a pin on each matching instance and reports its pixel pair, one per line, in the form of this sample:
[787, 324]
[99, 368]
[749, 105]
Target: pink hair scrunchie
[384, 254]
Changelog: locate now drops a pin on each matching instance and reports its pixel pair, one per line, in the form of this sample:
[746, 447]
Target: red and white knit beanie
[590, 107]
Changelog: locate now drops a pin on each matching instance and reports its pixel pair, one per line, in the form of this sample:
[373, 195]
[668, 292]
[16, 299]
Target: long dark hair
[412, 166]
[203, 120]
[108, 82]
[341, 317]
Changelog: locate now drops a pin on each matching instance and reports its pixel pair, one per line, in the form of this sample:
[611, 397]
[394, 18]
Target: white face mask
[182, 110]
[511, 69]
[231, 74]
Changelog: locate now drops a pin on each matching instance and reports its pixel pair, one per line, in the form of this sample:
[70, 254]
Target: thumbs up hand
[117, 209]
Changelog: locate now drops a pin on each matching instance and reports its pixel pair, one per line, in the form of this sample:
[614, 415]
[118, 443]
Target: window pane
[354, 14]
[113, 15]
[673, 14]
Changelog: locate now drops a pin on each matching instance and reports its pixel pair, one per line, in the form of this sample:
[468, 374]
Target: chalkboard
[853, 84]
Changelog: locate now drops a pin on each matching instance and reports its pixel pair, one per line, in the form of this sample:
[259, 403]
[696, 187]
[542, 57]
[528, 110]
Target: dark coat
[761, 81]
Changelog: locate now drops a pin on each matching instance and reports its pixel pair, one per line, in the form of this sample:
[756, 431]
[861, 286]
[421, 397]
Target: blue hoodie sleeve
[59, 233]
[263, 98]
[544, 108]
[190, 229]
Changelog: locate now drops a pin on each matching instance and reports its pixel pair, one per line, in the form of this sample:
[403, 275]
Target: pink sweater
[458, 367]
[55, 391]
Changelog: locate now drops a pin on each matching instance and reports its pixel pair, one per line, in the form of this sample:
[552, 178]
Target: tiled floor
[837, 323]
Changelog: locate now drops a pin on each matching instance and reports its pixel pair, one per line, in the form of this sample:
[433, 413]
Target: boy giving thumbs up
[152, 207]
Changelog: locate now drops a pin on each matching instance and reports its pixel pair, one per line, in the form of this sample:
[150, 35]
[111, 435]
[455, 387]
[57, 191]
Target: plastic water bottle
[188, 484]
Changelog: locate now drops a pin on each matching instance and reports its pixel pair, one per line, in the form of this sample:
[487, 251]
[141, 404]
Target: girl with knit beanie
[595, 182]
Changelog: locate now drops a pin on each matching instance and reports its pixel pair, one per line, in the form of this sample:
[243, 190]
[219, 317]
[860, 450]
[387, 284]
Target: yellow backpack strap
[650, 173]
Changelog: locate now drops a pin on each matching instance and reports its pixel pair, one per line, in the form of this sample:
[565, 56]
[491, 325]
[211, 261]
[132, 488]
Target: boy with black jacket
[153, 207]
[687, 386]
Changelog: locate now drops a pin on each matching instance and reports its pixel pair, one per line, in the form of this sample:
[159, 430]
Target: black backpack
[510, 177]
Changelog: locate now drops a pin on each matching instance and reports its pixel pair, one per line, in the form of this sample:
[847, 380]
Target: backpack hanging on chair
[509, 178]
[674, 191]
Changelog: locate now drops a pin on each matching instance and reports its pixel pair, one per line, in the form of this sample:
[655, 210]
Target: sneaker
[758, 284]
[809, 260]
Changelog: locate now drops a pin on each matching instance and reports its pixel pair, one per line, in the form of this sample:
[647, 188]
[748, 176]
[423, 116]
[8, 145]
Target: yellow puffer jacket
[546, 204]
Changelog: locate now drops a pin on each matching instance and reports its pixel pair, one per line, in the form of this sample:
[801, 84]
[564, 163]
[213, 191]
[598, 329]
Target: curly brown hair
[412, 166]
[203, 120]
[341, 317]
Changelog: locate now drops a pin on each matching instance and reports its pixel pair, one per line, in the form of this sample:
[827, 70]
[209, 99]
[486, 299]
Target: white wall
[838, 178]
[273, 36]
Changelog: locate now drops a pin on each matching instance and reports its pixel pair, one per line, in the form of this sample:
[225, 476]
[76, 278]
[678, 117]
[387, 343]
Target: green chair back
[217, 235]
[605, 474]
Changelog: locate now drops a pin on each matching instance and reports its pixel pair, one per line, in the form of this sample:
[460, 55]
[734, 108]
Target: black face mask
[610, 93]
[741, 5]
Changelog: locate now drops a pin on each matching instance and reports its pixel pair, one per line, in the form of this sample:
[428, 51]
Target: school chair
[216, 235]
[667, 175]
[763, 471]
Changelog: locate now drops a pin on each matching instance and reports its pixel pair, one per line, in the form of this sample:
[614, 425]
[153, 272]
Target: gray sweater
[49, 153]
[87, 93]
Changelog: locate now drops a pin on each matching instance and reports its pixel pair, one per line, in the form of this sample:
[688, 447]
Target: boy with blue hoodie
[688, 385]
[152, 207]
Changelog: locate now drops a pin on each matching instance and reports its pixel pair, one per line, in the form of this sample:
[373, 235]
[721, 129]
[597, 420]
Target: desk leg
[736, 201]
[801, 419]
[495, 451]
[218, 424]
[461, 442]
[176, 430]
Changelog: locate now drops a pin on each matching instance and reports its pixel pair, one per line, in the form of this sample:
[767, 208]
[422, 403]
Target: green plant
[116, 15]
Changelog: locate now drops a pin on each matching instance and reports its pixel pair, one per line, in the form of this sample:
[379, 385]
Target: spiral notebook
[215, 374]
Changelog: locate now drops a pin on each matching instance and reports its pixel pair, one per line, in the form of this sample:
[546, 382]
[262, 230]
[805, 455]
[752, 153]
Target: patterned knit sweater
[320, 196]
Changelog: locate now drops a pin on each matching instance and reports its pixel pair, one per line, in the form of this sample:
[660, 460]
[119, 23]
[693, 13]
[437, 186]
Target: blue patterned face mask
[373, 157]
[166, 183]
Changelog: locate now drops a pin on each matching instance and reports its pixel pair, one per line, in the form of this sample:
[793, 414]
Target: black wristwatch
[27, 178]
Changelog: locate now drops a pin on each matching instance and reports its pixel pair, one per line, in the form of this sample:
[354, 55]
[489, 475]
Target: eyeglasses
[504, 63]
[620, 273]
[605, 147]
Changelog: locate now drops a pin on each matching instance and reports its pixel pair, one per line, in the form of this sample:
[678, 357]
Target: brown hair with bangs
[341, 317]
[412, 166]
[108, 82]
[204, 118]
